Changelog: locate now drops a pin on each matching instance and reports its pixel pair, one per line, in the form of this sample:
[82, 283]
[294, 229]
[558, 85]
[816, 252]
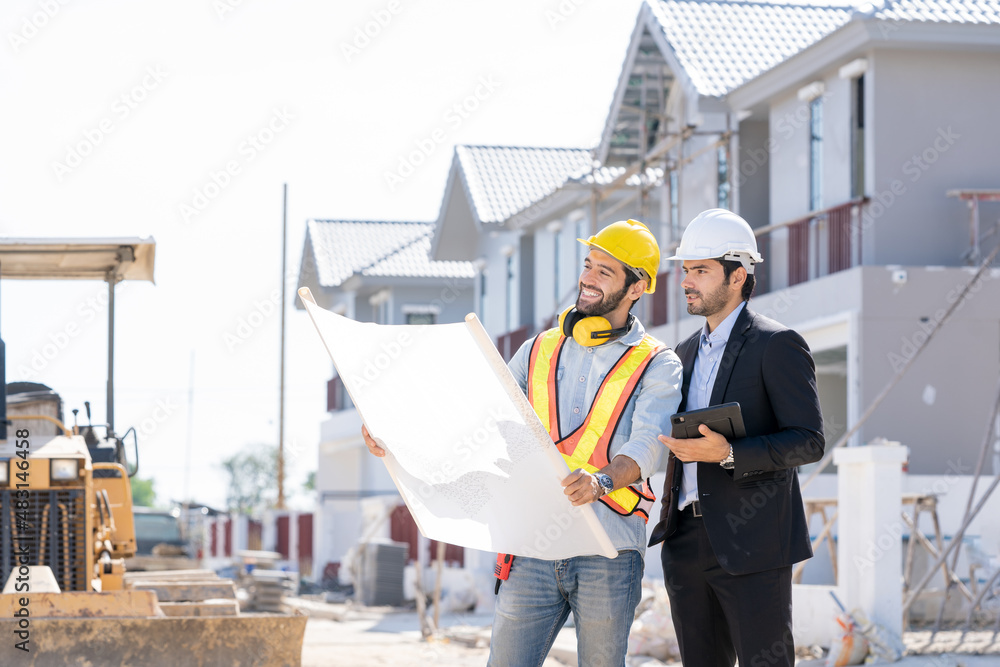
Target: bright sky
[182, 120]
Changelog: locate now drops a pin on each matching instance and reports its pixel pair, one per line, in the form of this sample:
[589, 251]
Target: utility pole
[281, 391]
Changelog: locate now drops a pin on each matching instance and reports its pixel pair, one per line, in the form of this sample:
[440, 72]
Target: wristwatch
[728, 462]
[606, 483]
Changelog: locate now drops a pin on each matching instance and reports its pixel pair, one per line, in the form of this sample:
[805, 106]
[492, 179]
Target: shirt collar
[725, 328]
[634, 335]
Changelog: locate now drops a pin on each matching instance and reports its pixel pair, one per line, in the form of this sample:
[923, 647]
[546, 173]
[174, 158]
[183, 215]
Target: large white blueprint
[466, 451]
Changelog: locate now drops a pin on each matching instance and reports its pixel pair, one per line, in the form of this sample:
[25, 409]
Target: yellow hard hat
[632, 244]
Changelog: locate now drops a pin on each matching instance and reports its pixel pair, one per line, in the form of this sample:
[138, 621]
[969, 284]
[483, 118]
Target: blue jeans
[535, 601]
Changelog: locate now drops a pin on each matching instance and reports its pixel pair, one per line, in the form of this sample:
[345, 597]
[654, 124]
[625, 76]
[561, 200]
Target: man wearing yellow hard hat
[604, 389]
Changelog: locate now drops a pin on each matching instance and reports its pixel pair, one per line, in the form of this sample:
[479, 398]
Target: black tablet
[725, 419]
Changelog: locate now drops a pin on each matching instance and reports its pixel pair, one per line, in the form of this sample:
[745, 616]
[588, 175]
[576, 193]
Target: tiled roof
[342, 248]
[607, 175]
[722, 45]
[939, 11]
[501, 181]
[412, 261]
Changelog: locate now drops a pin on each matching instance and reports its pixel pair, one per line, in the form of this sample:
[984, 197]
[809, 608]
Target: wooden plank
[205, 608]
[189, 591]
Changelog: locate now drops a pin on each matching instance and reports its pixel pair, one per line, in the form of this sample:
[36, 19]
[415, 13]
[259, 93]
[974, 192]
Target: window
[582, 232]
[511, 297]
[722, 189]
[381, 303]
[675, 204]
[421, 314]
[420, 318]
[482, 295]
[816, 154]
[858, 138]
[557, 271]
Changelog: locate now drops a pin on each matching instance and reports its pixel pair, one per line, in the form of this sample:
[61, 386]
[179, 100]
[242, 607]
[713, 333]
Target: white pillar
[293, 539]
[269, 531]
[869, 544]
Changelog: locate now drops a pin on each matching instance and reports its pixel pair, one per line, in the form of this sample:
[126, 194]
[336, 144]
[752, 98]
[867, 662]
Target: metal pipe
[3, 394]
[281, 383]
[111, 354]
[828, 456]
[955, 541]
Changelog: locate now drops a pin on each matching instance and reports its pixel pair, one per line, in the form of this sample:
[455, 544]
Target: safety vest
[587, 446]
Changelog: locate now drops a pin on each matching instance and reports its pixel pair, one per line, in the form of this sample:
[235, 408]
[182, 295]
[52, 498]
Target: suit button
[675, 488]
[746, 474]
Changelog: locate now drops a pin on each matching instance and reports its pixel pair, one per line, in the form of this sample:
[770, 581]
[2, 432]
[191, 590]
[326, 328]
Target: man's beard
[711, 303]
[605, 306]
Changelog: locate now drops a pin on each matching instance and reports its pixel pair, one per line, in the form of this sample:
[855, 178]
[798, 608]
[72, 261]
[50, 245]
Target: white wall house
[863, 147]
[840, 136]
[371, 272]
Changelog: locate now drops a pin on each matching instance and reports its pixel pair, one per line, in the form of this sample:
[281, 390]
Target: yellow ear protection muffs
[588, 330]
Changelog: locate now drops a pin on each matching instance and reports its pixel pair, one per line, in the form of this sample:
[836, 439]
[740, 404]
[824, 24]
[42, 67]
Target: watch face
[606, 483]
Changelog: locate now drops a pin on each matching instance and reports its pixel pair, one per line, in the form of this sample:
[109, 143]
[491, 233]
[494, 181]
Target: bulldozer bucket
[248, 640]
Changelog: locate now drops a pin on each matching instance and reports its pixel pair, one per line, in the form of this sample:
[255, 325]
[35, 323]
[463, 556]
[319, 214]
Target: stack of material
[382, 574]
[187, 592]
[268, 587]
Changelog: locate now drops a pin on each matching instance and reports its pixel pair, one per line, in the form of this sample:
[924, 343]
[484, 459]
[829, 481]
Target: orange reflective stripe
[609, 404]
[603, 448]
[542, 369]
[588, 446]
[628, 501]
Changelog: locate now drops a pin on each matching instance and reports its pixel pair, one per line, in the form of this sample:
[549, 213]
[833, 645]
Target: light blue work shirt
[706, 368]
[580, 373]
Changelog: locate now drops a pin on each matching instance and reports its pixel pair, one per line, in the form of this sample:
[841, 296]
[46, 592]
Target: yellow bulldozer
[66, 524]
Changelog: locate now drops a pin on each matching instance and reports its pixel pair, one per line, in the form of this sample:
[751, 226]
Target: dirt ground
[346, 635]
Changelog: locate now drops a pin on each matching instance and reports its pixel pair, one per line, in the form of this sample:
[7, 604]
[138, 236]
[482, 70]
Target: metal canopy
[113, 259]
[109, 259]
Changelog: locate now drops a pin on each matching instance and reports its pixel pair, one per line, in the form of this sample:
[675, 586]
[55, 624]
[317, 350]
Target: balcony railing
[510, 342]
[820, 243]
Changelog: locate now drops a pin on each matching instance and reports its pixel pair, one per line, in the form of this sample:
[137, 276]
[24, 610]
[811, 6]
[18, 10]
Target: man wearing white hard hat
[732, 522]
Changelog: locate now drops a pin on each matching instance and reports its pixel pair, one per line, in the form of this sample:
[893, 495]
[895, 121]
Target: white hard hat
[719, 234]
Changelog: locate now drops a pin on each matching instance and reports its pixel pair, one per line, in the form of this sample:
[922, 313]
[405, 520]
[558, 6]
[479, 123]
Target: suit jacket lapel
[688, 353]
[675, 471]
[732, 353]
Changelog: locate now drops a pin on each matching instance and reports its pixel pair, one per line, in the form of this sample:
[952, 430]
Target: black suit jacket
[754, 513]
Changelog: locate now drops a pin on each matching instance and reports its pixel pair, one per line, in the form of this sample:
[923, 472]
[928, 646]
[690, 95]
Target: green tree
[142, 492]
[310, 483]
[253, 478]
